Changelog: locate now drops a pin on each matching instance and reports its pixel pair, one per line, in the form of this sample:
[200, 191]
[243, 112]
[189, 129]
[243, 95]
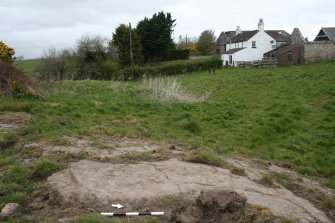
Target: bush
[178, 54]
[13, 81]
[109, 70]
[57, 66]
[6, 52]
[44, 168]
[170, 68]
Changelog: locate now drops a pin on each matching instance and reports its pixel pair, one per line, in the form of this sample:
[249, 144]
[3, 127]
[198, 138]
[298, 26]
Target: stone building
[322, 48]
[289, 54]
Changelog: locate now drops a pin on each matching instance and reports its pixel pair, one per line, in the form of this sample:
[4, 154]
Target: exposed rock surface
[10, 209]
[95, 182]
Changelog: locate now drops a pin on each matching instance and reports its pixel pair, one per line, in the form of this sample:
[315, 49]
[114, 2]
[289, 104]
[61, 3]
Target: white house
[248, 46]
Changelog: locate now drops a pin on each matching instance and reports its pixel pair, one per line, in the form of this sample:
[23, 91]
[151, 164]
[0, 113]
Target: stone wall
[319, 51]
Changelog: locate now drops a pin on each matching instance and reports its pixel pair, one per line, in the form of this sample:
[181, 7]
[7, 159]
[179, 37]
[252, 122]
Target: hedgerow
[13, 82]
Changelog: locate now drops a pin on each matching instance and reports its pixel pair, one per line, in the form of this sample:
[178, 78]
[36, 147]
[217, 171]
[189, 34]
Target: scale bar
[111, 214]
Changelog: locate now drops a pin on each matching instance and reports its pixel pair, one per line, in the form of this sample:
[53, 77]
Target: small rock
[172, 147]
[10, 209]
[67, 220]
[36, 206]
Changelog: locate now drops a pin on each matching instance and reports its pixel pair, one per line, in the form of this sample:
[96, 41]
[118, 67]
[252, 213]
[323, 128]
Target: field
[284, 115]
[27, 65]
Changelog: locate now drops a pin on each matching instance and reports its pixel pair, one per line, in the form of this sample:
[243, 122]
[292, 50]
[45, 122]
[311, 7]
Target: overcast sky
[32, 26]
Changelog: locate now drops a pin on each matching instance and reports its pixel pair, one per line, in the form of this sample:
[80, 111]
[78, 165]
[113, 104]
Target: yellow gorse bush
[6, 52]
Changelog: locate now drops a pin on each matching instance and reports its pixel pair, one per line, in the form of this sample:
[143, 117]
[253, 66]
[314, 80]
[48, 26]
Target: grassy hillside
[283, 114]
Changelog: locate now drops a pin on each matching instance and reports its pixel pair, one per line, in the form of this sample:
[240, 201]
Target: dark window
[253, 44]
[230, 59]
[290, 58]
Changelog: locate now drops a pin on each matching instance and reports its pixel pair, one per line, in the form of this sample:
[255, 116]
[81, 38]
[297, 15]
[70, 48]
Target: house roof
[232, 51]
[326, 34]
[284, 48]
[244, 36]
[278, 35]
[225, 37]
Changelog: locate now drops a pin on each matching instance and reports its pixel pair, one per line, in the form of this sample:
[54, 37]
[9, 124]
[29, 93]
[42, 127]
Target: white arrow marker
[117, 206]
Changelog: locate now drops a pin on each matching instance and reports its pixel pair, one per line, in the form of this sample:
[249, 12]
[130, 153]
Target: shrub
[6, 52]
[109, 70]
[13, 81]
[178, 54]
[44, 168]
[57, 66]
[169, 68]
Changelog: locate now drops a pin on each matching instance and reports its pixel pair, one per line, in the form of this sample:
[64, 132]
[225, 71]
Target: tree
[206, 42]
[6, 52]
[92, 49]
[91, 52]
[123, 42]
[188, 43]
[155, 35]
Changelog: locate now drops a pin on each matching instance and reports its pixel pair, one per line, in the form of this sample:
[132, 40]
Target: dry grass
[169, 89]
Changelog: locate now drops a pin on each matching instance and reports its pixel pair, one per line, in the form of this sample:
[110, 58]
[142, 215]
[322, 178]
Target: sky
[33, 26]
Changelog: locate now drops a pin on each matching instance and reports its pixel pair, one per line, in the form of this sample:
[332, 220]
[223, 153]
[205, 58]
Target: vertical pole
[131, 46]
[186, 42]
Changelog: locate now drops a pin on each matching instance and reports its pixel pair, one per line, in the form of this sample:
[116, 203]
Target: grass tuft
[238, 171]
[17, 174]
[169, 89]
[208, 157]
[44, 168]
[267, 180]
[328, 204]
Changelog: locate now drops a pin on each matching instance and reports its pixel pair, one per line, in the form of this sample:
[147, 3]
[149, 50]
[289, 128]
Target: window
[253, 44]
[230, 59]
[290, 58]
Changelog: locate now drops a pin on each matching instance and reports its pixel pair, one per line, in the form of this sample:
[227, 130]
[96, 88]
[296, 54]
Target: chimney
[238, 30]
[260, 25]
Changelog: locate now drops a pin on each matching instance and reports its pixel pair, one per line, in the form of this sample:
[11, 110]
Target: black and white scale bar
[110, 214]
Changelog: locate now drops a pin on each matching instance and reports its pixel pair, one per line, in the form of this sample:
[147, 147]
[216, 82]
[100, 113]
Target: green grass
[44, 168]
[283, 114]
[27, 66]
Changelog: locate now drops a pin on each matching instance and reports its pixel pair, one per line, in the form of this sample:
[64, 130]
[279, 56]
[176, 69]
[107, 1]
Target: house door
[290, 58]
[230, 59]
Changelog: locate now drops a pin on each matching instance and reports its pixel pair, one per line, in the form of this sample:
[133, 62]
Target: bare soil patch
[11, 122]
[104, 149]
